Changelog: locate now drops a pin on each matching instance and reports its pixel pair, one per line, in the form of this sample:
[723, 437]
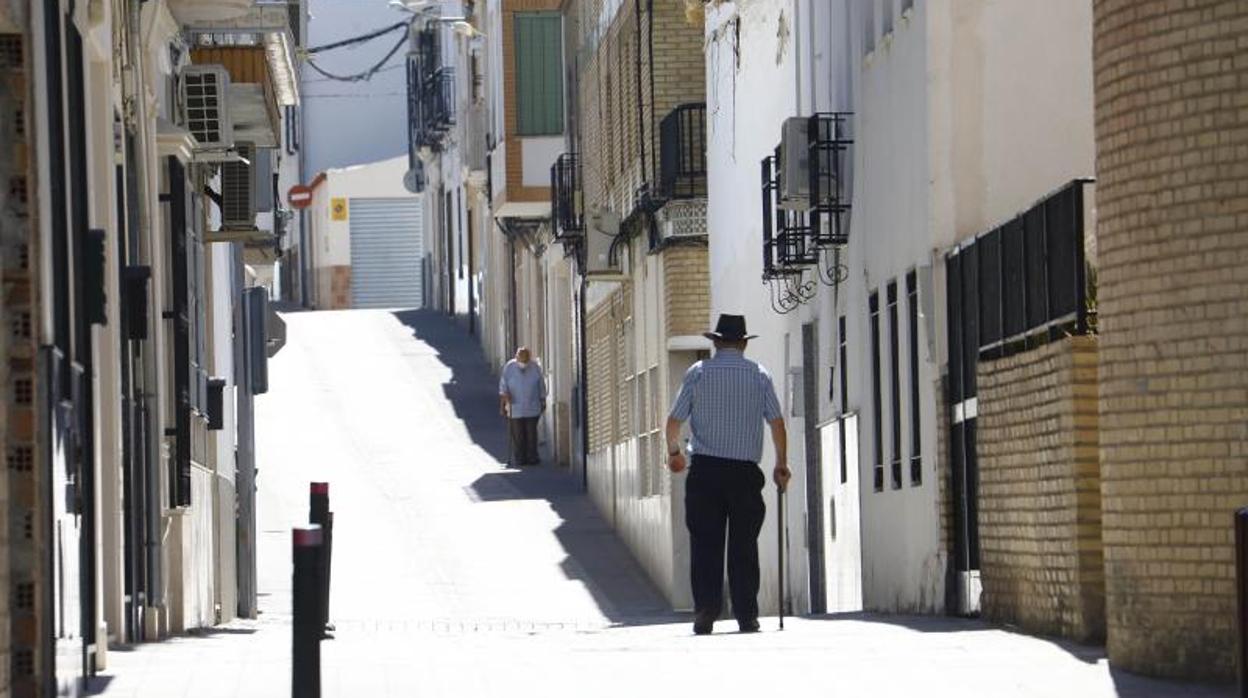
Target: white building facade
[953, 124]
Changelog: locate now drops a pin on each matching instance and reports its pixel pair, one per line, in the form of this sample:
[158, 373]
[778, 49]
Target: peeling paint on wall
[782, 37]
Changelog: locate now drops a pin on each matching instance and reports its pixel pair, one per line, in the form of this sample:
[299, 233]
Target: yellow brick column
[1172, 166]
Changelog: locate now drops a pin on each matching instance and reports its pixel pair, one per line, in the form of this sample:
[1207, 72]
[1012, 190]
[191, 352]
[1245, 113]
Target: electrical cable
[356, 39]
[363, 75]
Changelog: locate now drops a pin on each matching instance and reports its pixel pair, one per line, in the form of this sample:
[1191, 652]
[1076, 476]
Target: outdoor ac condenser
[204, 91]
[238, 190]
[794, 164]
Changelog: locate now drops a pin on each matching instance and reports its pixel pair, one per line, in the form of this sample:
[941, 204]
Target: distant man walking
[522, 399]
[726, 399]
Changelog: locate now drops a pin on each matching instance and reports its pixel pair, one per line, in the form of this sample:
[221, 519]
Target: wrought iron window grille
[787, 246]
[829, 138]
[682, 152]
[566, 198]
[1032, 283]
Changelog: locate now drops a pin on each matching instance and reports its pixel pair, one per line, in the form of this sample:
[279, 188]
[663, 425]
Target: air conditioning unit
[794, 174]
[601, 228]
[204, 94]
[238, 190]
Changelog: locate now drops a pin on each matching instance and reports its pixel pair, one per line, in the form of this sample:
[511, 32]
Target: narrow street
[455, 576]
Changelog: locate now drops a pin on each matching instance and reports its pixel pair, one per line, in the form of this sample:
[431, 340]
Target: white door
[387, 243]
[842, 529]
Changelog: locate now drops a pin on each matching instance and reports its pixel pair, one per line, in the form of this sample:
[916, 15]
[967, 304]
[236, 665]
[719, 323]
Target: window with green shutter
[539, 74]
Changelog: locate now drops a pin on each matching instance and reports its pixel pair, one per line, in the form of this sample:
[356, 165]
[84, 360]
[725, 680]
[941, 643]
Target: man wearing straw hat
[726, 400]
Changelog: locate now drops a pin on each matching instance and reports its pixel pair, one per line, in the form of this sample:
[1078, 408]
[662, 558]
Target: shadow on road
[595, 555]
[472, 390]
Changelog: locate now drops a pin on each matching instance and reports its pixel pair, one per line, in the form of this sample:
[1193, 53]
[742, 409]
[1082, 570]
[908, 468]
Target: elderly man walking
[726, 400]
[522, 400]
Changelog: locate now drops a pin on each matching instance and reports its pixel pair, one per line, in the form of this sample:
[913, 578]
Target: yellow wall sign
[338, 208]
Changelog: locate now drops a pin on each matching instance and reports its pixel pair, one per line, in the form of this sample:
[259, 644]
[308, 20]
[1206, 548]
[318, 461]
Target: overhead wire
[364, 74]
[356, 39]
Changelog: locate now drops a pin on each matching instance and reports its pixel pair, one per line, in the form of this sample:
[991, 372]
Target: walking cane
[780, 547]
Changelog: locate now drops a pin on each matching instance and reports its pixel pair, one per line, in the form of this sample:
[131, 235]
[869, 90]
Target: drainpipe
[511, 271]
[139, 115]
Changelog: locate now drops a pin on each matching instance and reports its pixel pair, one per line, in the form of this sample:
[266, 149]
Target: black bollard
[1241, 582]
[318, 502]
[319, 514]
[307, 627]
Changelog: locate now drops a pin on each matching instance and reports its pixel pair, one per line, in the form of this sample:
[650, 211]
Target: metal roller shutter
[387, 243]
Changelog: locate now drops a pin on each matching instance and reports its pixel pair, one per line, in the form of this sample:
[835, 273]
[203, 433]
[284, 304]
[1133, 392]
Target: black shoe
[704, 622]
[748, 625]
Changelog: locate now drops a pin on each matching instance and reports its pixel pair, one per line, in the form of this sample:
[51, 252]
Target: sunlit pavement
[455, 576]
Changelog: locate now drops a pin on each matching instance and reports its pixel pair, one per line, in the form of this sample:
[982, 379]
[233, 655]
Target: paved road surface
[454, 576]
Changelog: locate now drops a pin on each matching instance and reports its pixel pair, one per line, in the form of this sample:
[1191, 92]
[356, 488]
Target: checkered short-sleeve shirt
[726, 399]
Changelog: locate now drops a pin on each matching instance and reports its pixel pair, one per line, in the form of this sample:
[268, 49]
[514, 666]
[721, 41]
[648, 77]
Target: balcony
[430, 93]
[567, 213]
[682, 152]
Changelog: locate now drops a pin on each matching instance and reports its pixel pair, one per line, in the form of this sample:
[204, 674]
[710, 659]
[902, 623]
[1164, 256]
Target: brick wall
[611, 128]
[1039, 491]
[1171, 85]
[686, 290]
[605, 346]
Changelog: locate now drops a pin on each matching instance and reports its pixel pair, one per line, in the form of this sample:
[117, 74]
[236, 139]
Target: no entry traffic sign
[299, 196]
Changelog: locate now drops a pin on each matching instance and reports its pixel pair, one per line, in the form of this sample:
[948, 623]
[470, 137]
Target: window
[876, 406]
[894, 383]
[843, 369]
[291, 123]
[916, 440]
[886, 22]
[539, 74]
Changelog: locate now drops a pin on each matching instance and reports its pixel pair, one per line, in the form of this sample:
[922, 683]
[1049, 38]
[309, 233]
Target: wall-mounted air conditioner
[794, 174]
[204, 91]
[238, 190]
[601, 228]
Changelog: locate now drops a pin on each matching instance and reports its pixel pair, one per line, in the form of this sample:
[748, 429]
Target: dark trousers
[523, 440]
[721, 496]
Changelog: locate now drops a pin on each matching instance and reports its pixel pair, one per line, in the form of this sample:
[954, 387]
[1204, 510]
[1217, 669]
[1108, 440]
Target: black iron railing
[430, 93]
[1028, 276]
[829, 140]
[682, 152]
[439, 101]
[787, 241]
[794, 237]
[567, 215]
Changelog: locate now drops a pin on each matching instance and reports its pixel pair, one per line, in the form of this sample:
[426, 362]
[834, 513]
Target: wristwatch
[673, 451]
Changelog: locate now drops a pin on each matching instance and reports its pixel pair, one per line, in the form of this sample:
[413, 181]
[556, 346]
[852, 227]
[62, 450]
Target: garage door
[387, 244]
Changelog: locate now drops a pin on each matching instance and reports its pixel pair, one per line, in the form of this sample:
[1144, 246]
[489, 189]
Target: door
[814, 470]
[842, 532]
[387, 244]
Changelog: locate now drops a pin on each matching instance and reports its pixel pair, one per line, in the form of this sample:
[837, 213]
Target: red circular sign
[299, 196]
